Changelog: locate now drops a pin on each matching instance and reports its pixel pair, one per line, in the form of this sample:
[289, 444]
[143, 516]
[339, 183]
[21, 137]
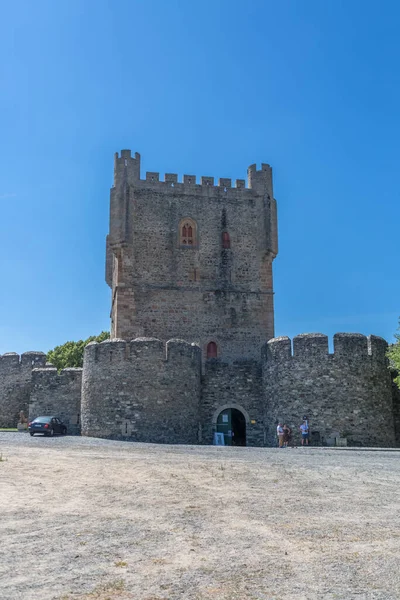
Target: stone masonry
[15, 384]
[237, 385]
[217, 287]
[57, 394]
[142, 390]
[344, 394]
[192, 325]
[145, 391]
[396, 411]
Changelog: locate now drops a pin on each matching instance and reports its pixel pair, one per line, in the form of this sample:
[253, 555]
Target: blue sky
[311, 87]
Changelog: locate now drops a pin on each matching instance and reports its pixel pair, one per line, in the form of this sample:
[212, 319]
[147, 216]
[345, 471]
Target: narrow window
[226, 242]
[187, 233]
[211, 350]
[194, 275]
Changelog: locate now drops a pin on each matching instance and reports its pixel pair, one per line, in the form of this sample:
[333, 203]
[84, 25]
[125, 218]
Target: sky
[311, 87]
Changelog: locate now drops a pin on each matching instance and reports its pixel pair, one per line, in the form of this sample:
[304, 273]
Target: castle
[192, 349]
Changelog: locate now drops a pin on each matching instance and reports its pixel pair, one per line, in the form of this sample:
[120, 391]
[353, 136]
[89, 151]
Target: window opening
[212, 350]
[188, 233]
[226, 242]
[194, 275]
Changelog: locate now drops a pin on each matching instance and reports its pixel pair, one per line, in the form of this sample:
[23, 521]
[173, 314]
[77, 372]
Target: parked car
[47, 425]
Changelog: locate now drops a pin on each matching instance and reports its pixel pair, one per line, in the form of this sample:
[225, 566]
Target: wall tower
[192, 260]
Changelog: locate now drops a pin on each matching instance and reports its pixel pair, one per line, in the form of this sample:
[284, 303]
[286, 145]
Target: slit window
[212, 350]
[226, 242]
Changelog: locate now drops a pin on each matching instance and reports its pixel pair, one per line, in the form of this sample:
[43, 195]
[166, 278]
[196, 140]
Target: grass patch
[118, 585]
[8, 429]
[104, 591]
[2, 459]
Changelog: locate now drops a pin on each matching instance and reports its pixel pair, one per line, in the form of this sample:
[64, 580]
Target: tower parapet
[344, 394]
[143, 390]
[260, 180]
[127, 169]
[11, 361]
[310, 345]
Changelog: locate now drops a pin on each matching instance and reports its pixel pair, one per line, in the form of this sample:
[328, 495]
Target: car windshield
[42, 420]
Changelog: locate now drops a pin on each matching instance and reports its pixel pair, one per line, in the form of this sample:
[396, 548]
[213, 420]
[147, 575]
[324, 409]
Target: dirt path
[83, 519]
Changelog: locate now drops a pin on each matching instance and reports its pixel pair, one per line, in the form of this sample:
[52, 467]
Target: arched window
[187, 233]
[212, 350]
[226, 242]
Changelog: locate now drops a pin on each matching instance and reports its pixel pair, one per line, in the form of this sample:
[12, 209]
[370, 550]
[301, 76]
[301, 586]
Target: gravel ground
[85, 519]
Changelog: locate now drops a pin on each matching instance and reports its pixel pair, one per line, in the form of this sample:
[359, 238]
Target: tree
[70, 354]
[394, 356]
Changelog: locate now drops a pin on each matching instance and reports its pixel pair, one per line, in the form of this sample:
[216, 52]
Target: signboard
[219, 439]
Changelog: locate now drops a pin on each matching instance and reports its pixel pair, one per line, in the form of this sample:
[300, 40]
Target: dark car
[47, 425]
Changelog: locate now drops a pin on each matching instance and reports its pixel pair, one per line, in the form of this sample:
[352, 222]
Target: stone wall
[147, 391]
[346, 394]
[15, 384]
[396, 411]
[58, 395]
[204, 292]
[142, 391]
[237, 385]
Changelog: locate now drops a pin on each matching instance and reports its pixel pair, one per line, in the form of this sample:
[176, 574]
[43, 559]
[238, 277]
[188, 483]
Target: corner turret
[126, 167]
[261, 182]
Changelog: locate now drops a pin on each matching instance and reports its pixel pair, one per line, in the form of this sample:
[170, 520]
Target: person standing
[280, 433]
[305, 433]
[287, 435]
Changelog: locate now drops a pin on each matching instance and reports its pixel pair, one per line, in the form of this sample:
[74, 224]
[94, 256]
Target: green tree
[70, 354]
[394, 356]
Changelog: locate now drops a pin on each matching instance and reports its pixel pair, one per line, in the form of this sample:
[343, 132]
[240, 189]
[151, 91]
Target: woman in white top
[280, 433]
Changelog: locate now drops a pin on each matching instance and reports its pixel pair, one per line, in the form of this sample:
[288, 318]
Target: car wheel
[31, 434]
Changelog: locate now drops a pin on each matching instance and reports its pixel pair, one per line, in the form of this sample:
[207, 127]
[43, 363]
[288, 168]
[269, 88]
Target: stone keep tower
[192, 261]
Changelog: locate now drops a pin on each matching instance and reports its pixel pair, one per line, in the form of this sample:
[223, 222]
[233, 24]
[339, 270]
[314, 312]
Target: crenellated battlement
[189, 184]
[50, 374]
[192, 257]
[346, 393]
[116, 351]
[127, 169]
[14, 361]
[180, 348]
[15, 384]
[348, 346]
[142, 389]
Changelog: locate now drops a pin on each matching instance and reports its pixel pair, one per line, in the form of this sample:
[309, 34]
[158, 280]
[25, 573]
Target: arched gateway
[231, 421]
